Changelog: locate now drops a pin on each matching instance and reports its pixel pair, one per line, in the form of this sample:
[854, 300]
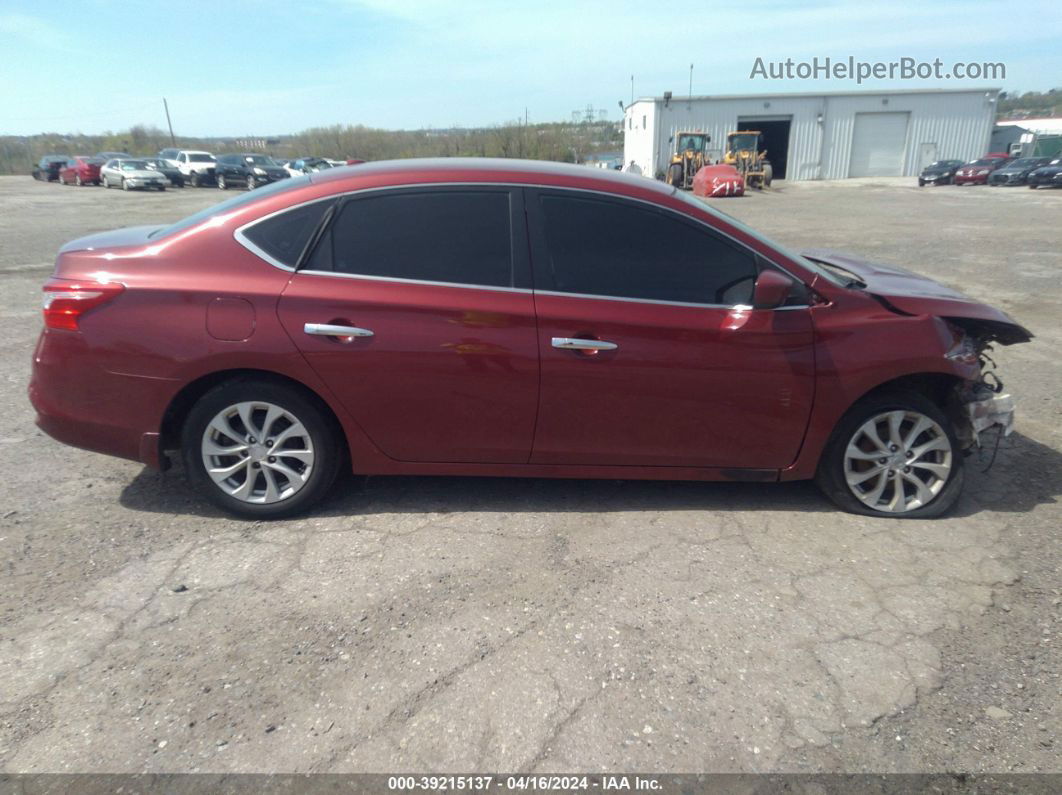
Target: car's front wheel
[260, 450]
[893, 454]
[222, 184]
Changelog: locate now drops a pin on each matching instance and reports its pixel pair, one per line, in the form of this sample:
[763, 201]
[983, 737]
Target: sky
[272, 67]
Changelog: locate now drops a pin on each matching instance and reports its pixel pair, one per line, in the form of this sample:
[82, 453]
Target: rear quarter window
[283, 236]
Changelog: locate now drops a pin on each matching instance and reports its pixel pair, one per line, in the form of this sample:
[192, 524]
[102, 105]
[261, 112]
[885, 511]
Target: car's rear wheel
[260, 450]
[125, 185]
[893, 454]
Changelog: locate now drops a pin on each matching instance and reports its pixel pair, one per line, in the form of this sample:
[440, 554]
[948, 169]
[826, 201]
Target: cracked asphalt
[433, 624]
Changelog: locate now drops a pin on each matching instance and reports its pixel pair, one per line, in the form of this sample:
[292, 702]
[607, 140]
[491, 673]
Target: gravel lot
[505, 625]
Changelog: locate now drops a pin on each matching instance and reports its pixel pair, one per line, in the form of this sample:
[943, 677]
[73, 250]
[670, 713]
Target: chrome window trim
[426, 282]
[241, 238]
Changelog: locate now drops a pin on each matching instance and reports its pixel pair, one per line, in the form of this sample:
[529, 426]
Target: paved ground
[502, 625]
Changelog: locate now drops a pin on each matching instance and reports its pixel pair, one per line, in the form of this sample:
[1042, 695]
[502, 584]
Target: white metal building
[822, 135]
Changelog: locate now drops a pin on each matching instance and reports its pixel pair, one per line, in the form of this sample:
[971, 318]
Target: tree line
[571, 143]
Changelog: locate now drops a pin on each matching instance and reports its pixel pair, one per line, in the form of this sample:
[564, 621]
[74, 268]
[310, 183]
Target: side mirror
[771, 290]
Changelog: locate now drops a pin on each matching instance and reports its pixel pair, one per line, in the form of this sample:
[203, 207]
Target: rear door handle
[577, 344]
[328, 330]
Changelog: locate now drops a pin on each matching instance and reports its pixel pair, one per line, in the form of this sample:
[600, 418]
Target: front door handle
[328, 330]
[578, 344]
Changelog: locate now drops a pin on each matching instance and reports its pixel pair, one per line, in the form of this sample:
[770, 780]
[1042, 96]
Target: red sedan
[507, 317]
[976, 172]
[81, 170]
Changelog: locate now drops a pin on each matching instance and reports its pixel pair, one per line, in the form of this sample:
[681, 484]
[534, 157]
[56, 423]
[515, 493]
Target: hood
[141, 173]
[129, 236]
[908, 293]
[932, 172]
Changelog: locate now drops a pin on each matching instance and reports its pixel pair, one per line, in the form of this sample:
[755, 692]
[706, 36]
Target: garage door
[878, 144]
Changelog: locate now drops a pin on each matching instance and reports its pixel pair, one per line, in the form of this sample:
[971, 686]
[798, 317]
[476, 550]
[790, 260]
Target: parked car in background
[167, 169]
[307, 165]
[1016, 172]
[940, 172]
[170, 155]
[353, 161]
[47, 168]
[81, 170]
[976, 171]
[1049, 176]
[113, 155]
[248, 170]
[505, 317]
[196, 167]
[131, 175]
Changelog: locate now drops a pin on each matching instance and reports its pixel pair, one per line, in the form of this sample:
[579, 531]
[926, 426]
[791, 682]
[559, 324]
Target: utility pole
[166, 105]
[689, 101]
[632, 89]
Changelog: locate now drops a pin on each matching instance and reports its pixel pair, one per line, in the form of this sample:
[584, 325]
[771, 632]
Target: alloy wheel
[898, 461]
[257, 452]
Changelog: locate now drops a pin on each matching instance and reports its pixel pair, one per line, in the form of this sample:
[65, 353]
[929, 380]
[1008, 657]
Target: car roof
[480, 169]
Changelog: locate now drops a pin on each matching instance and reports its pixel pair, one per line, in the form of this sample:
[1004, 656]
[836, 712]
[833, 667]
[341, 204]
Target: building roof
[1034, 125]
[793, 94]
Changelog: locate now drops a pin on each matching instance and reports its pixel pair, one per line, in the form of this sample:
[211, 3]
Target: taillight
[65, 302]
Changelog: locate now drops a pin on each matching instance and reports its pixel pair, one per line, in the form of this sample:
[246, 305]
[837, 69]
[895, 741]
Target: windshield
[200, 158]
[234, 203]
[133, 165]
[831, 275]
[985, 161]
[259, 160]
[745, 141]
[695, 142]
[944, 164]
[1025, 162]
[156, 163]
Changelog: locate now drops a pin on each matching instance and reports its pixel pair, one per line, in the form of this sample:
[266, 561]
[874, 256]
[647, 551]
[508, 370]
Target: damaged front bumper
[988, 412]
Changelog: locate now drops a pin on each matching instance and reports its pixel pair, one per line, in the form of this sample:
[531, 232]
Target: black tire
[222, 184]
[321, 428]
[831, 473]
[162, 188]
[674, 175]
[125, 185]
[921, 183]
[768, 175]
[193, 179]
[77, 180]
[251, 182]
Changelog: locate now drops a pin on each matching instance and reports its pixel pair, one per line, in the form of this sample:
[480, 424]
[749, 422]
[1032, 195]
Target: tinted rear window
[228, 206]
[284, 236]
[457, 237]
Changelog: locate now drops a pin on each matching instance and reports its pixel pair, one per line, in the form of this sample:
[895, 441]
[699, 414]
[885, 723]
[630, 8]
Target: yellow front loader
[690, 155]
[745, 153]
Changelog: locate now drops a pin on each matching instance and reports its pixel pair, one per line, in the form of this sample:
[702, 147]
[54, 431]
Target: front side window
[626, 250]
[452, 236]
